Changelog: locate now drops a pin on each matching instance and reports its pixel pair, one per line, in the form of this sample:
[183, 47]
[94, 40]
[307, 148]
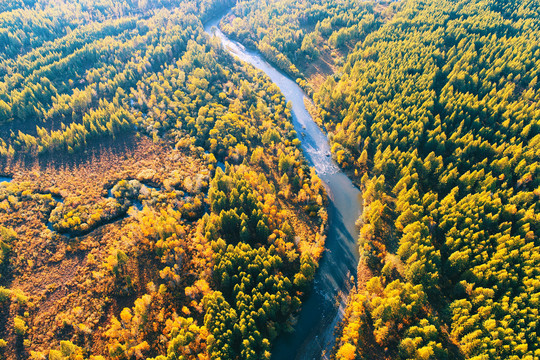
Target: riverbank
[323, 308]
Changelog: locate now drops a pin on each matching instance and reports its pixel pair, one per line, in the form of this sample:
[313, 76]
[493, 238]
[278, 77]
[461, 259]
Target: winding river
[323, 309]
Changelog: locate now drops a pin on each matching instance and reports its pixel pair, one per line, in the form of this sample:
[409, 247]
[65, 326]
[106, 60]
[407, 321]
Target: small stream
[323, 308]
[137, 204]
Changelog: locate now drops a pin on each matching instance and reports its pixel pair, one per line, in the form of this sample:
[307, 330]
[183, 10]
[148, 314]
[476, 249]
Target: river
[323, 308]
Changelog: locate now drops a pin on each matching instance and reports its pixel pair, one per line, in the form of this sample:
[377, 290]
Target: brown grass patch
[69, 294]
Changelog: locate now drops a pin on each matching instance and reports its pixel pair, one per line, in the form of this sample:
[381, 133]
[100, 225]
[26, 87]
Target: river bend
[323, 308]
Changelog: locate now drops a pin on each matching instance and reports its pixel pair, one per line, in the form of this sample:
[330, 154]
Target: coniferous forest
[156, 203]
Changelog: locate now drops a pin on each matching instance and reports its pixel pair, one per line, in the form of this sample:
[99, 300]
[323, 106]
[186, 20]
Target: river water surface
[323, 308]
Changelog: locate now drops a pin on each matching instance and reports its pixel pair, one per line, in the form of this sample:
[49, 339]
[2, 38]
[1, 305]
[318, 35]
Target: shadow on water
[323, 308]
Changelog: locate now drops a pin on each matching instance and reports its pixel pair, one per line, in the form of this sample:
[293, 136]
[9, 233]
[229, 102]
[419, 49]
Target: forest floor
[85, 175]
[317, 71]
[331, 59]
[62, 281]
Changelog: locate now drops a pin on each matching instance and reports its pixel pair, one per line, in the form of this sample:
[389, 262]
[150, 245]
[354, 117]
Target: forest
[157, 204]
[435, 114]
[307, 40]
